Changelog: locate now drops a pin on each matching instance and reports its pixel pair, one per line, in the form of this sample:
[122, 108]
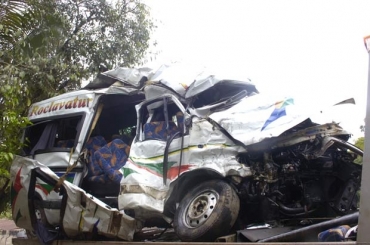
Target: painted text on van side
[63, 105]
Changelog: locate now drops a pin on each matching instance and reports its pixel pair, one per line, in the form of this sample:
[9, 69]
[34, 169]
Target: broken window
[161, 120]
[57, 133]
[118, 118]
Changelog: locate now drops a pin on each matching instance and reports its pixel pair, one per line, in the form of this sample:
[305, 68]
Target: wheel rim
[200, 208]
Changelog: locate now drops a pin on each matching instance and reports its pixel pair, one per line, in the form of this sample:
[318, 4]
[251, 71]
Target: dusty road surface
[8, 230]
[6, 224]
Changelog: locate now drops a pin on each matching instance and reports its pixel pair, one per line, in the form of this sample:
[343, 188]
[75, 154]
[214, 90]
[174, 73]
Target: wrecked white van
[204, 154]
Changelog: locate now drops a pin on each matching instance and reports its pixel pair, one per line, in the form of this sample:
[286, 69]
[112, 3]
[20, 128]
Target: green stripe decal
[154, 167]
[49, 188]
[134, 159]
[128, 171]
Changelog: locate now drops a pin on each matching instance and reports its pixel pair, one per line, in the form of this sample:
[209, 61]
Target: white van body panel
[222, 119]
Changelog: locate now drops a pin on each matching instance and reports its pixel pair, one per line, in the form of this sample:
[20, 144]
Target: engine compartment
[313, 179]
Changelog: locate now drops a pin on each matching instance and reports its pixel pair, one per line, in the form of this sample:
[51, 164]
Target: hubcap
[200, 209]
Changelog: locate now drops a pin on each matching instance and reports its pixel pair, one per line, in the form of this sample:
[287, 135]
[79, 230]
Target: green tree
[49, 47]
[360, 143]
[12, 16]
[70, 40]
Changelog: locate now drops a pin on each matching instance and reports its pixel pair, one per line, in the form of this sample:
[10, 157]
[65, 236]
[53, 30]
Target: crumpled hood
[260, 117]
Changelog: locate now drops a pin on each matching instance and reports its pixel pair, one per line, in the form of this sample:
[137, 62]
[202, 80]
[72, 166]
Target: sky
[311, 50]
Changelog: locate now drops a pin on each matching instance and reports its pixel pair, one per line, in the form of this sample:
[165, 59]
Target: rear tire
[207, 212]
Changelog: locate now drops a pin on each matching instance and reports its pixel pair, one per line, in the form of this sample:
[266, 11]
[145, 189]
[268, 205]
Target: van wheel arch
[207, 211]
[186, 182]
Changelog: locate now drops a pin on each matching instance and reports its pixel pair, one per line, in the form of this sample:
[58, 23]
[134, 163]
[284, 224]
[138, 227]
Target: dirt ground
[8, 231]
[6, 224]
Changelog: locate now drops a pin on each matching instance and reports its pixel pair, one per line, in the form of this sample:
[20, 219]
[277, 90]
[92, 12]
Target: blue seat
[158, 131]
[92, 145]
[108, 160]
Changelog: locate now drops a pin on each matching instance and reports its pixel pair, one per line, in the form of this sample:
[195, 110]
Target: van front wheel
[207, 212]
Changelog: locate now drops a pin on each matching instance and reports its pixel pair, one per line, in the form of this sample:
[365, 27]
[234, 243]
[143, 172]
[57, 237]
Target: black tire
[207, 212]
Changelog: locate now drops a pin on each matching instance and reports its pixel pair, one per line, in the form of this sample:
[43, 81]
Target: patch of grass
[7, 212]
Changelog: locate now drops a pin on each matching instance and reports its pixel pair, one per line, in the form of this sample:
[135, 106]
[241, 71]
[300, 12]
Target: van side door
[158, 153]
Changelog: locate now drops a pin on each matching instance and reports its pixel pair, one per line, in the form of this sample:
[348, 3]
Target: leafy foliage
[7, 212]
[49, 47]
[360, 143]
[12, 16]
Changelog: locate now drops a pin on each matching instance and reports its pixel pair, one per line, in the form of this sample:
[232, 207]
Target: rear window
[58, 133]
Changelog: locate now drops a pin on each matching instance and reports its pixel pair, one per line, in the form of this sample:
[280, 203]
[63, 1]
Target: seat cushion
[109, 159]
[92, 145]
[157, 130]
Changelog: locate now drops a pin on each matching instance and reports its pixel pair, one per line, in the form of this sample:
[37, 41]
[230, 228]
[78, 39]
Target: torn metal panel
[258, 117]
[82, 213]
[206, 81]
[205, 148]
[177, 77]
[95, 214]
[130, 76]
[311, 133]
[115, 89]
[153, 91]
[55, 158]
